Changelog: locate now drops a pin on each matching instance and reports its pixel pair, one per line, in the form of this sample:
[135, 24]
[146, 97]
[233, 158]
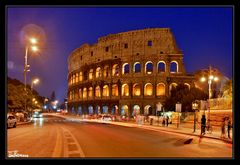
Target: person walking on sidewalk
[203, 125]
[163, 121]
[229, 126]
[223, 128]
[167, 118]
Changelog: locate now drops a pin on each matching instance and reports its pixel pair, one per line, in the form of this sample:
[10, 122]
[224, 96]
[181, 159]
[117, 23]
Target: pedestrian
[203, 125]
[163, 121]
[229, 126]
[223, 128]
[167, 118]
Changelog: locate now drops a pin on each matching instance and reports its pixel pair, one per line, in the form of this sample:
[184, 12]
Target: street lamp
[195, 108]
[31, 45]
[35, 81]
[211, 78]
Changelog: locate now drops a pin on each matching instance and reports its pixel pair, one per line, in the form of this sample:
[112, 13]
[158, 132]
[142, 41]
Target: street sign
[178, 107]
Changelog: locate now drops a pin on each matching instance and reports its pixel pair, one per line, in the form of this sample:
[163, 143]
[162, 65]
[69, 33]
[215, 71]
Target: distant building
[127, 73]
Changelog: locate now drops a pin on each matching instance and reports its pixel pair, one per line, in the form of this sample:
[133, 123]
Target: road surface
[57, 137]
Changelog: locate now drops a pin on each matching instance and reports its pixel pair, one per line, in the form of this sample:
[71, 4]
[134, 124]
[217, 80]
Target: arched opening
[77, 78]
[136, 110]
[98, 72]
[114, 110]
[147, 110]
[74, 79]
[136, 89]
[80, 93]
[73, 111]
[174, 67]
[160, 89]
[114, 90]
[79, 110]
[90, 92]
[115, 70]
[105, 90]
[84, 93]
[125, 90]
[97, 110]
[186, 84]
[148, 89]
[137, 67]
[106, 71]
[97, 91]
[172, 86]
[161, 66]
[125, 68]
[149, 67]
[90, 75]
[90, 110]
[124, 110]
[80, 76]
[105, 109]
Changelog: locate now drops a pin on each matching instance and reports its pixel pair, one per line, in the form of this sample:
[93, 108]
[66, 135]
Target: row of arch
[114, 90]
[115, 71]
[113, 110]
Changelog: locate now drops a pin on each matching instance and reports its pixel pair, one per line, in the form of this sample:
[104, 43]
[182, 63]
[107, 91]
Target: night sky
[204, 35]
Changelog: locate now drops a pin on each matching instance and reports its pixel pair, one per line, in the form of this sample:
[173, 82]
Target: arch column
[130, 85]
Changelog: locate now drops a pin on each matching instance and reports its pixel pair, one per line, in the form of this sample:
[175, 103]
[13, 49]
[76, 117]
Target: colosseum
[125, 74]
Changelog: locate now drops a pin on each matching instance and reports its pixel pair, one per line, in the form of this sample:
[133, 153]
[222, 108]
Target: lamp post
[31, 45]
[211, 78]
[194, 107]
[35, 81]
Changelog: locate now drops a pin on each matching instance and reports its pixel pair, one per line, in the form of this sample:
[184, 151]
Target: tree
[182, 94]
[53, 97]
[227, 89]
[17, 95]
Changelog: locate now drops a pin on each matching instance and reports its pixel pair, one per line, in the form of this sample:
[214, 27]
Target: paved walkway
[183, 129]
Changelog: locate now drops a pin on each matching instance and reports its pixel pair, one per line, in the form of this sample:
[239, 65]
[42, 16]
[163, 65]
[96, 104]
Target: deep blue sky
[204, 35]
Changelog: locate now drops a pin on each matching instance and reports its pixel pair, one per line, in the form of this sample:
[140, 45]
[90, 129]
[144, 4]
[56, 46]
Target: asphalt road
[57, 137]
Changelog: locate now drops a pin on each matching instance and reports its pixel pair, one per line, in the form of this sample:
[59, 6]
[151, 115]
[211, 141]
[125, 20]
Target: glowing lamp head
[211, 77]
[33, 40]
[203, 79]
[215, 79]
[34, 48]
[36, 81]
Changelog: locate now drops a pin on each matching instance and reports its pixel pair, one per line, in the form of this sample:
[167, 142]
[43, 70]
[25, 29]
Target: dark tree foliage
[183, 95]
[53, 97]
[16, 95]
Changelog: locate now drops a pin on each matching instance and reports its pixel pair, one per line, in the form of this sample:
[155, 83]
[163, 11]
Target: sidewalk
[171, 127]
[24, 122]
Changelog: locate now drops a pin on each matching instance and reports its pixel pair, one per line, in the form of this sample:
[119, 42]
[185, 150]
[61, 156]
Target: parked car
[11, 121]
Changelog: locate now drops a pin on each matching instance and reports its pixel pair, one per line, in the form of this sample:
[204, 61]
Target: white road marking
[78, 150]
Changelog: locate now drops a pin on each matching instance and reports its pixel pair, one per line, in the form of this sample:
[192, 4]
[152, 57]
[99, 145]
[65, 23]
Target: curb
[22, 123]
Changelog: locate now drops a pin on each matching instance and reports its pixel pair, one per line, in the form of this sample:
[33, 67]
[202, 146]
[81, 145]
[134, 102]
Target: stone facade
[126, 73]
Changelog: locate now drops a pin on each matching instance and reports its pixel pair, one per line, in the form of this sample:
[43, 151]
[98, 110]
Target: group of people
[165, 120]
[225, 126]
